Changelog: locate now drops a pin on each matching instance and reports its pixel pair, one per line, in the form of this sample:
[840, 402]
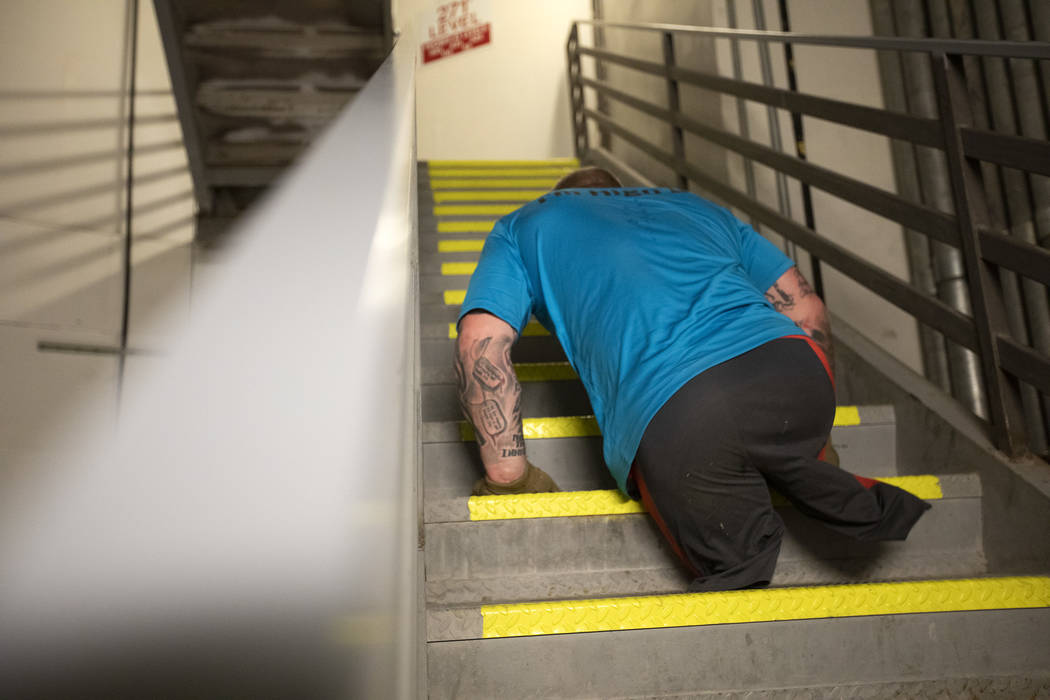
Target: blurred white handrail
[264, 475]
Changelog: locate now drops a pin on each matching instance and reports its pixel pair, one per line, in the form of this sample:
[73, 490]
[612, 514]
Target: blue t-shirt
[644, 288]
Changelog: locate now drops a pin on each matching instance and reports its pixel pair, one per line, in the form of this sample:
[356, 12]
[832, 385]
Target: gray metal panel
[566, 398]
[504, 548]
[438, 353]
[575, 464]
[850, 652]
[566, 585]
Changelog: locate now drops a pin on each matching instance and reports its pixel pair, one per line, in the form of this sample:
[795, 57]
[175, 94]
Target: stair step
[447, 182]
[790, 603]
[496, 165]
[478, 196]
[526, 371]
[567, 504]
[449, 264]
[276, 101]
[451, 465]
[981, 629]
[538, 428]
[276, 38]
[447, 329]
[436, 351]
[548, 172]
[440, 402]
[513, 559]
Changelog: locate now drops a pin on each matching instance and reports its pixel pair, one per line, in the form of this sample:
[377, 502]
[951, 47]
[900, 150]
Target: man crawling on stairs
[707, 358]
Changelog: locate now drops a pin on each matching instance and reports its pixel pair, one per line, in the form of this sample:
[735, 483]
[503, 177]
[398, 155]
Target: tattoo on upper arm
[804, 290]
[780, 299]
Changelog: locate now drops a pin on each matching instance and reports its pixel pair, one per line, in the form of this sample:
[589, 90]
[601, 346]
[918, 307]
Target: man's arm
[792, 296]
[490, 394]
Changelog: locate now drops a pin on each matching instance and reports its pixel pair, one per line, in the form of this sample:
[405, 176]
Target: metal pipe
[949, 270]
[741, 105]
[129, 203]
[816, 273]
[1009, 49]
[920, 261]
[766, 65]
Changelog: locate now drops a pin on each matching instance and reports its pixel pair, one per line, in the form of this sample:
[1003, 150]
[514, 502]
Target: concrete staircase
[255, 81]
[577, 595]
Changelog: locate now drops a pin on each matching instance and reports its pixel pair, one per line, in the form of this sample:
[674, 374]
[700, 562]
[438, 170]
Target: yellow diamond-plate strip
[927, 487]
[488, 196]
[500, 172]
[474, 209]
[465, 226]
[847, 415]
[542, 428]
[461, 245]
[544, 371]
[560, 427]
[458, 268]
[769, 605]
[547, 163]
[567, 504]
[532, 328]
[552, 505]
[493, 183]
[454, 297]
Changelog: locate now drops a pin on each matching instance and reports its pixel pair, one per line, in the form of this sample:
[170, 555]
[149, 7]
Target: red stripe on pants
[647, 501]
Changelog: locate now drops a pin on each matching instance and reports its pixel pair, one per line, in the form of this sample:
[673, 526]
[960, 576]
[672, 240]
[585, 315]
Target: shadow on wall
[62, 204]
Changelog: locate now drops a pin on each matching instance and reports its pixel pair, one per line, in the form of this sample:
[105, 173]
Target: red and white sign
[457, 25]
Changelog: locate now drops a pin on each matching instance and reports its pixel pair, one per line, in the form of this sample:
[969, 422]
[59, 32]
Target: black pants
[760, 420]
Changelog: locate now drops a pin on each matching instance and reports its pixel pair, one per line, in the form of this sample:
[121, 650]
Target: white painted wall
[62, 171]
[508, 99]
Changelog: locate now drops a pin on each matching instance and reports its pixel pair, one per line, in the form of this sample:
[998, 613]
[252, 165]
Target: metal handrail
[966, 47]
[1003, 359]
[260, 496]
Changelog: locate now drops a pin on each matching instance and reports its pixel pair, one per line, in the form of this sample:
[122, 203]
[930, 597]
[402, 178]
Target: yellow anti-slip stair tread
[462, 245]
[766, 605]
[501, 172]
[465, 226]
[547, 162]
[488, 196]
[492, 183]
[474, 209]
[451, 269]
[587, 426]
[569, 504]
[532, 328]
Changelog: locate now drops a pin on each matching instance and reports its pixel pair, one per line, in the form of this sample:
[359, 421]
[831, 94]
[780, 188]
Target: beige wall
[62, 173]
[508, 99]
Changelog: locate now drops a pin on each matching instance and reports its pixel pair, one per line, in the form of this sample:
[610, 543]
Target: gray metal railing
[985, 248]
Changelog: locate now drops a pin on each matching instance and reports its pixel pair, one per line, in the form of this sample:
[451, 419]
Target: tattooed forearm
[490, 395]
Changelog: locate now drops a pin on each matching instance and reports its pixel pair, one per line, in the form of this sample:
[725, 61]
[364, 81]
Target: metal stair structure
[576, 594]
[256, 81]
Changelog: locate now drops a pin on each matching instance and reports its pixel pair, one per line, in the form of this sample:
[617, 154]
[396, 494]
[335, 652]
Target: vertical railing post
[971, 213]
[673, 106]
[580, 138]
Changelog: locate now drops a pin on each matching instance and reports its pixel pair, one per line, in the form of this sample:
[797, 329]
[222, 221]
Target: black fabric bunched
[710, 455]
